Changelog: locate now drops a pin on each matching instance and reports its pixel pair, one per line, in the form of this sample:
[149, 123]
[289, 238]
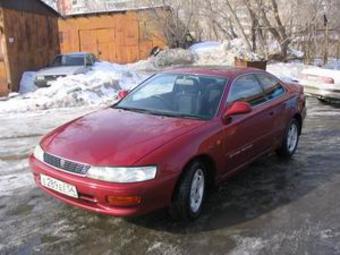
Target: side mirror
[122, 93]
[236, 108]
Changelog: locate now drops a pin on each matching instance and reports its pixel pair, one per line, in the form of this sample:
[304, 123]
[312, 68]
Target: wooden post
[326, 43]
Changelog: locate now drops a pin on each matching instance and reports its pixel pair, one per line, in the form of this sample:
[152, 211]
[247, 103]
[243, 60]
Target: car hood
[114, 137]
[60, 70]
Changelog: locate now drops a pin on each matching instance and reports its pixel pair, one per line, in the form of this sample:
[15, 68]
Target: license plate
[59, 186]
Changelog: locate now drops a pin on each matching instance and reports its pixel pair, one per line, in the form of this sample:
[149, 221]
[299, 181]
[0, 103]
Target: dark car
[170, 138]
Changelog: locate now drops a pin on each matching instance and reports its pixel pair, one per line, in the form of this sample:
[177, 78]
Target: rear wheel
[290, 140]
[190, 193]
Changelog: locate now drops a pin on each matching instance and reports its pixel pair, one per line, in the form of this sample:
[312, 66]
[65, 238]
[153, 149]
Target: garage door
[101, 42]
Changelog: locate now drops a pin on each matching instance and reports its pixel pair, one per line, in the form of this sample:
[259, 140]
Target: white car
[64, 65]
[321, 83]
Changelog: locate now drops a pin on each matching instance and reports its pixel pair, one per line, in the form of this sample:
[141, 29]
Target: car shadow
[267, 184]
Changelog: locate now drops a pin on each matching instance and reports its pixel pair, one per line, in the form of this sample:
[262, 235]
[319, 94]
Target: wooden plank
[31, 40]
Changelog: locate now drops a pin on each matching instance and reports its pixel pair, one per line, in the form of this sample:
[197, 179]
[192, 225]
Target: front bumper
[93, 194]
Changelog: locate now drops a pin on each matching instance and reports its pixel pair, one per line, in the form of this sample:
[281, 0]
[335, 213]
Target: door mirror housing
[122, 94]
[236, 108]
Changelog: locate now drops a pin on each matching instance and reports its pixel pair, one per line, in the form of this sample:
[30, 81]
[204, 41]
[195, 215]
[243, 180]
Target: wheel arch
[210, 164]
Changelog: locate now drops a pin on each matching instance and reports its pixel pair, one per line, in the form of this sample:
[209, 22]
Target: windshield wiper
[135, 110]
[164, 114]
[179, 115]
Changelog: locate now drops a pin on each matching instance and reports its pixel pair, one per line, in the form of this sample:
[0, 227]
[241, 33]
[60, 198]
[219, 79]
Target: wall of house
[29, 41]
[122, 37]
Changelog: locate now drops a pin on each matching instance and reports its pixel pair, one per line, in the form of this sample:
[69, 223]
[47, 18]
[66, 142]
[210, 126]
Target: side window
[88, 60]
[247, 89]
[271, 86]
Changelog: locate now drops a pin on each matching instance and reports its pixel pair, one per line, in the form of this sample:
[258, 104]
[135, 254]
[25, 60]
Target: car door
[275, 94]
[245, 137]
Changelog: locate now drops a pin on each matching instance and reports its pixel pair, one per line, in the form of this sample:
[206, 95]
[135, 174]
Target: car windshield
[69, 61]
[176, 95]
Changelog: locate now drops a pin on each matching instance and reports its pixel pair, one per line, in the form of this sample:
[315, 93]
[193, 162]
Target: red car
[171, 137]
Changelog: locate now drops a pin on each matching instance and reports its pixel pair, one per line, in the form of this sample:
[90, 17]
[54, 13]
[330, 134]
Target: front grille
[53, 77]
[65, 165]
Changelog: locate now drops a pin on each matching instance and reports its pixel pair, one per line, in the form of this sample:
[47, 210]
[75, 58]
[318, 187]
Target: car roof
[221, 71]
[76, 54]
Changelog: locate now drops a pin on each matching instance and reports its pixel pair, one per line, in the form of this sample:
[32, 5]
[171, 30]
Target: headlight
[122, 174]
[38, 153]
[40, 78]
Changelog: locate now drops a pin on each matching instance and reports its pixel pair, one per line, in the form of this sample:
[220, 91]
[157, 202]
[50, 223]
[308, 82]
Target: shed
[29, 39]
[119, 36]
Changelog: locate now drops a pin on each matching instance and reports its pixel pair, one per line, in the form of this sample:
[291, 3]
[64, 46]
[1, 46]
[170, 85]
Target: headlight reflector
[39, 153]
[123, 174]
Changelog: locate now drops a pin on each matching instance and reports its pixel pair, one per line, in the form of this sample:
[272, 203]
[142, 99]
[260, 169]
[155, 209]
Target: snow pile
[173, 57]
[27, 82]
[205, 46]
[98, 87]
[288, 72]
[223, 53]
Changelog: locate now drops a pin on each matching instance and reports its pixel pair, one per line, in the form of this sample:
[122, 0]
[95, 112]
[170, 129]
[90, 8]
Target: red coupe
[164, 143]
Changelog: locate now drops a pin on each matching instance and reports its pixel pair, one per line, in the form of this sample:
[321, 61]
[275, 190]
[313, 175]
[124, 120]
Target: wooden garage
[29, 39]
[121, 36]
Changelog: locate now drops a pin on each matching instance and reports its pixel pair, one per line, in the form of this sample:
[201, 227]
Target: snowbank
[98, 87]
[27, 83]
[205, 46]
[222, 53]
[288, 72]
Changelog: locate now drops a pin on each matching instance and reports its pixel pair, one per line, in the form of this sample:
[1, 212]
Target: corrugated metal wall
[117, 37]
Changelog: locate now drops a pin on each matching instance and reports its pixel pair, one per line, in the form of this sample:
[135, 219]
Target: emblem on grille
[62, 163]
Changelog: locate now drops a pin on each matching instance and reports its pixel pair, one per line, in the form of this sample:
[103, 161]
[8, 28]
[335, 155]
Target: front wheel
[290, 141]
[190, 193]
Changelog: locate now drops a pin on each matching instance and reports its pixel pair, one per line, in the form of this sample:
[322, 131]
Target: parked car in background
[169, 139]
[64, 65]
[322, 83]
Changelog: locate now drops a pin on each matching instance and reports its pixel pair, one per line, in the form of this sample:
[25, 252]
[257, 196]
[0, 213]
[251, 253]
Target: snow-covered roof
[116, 10]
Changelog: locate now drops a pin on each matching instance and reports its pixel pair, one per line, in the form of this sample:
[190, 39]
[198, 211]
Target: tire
[190, 193]
[323, 101]
[290, 140]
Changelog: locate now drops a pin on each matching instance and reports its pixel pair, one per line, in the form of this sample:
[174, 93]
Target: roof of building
[34, 6]
[117, 10]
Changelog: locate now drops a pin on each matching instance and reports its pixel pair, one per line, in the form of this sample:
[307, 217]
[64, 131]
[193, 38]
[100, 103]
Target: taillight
[327, 80]
[316, 78]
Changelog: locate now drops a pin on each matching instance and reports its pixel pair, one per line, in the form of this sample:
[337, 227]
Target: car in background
[322, 83]
[65, 65]
[167, 141]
